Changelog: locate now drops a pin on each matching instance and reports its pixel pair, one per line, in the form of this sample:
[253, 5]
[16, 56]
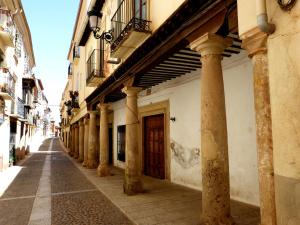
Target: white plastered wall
[183, 94]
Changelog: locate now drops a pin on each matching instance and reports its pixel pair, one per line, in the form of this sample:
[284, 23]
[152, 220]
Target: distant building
[21, 93]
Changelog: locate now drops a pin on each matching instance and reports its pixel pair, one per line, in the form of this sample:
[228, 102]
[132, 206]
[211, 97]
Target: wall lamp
[173, 119]
[95, 22]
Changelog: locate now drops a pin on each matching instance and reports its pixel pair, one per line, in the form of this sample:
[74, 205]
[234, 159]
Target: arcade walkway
[52, 188]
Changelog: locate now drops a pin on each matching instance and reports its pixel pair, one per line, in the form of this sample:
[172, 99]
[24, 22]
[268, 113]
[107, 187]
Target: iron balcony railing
[7, 83]
[20, 107]
[95, 64]
[130, 15]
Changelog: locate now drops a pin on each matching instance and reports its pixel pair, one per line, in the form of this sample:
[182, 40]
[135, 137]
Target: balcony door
[140, 7]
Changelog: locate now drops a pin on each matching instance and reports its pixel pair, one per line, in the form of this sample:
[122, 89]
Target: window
[121, 143]
[141, 9]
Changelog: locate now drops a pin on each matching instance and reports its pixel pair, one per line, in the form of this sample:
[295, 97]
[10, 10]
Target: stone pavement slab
[162, 202]
[50, 190]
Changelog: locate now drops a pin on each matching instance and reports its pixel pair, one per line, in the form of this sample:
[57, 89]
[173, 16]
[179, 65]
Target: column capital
[104, 106]
[81, 122]
[210, 44]
[85, 120]
[94, 112]
[131, 91]
[255, 41]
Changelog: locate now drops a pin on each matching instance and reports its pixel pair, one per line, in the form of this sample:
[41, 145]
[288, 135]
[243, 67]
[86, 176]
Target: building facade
[21, 93]
[200, 93]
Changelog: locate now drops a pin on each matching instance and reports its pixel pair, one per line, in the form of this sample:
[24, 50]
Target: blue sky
[51, 24]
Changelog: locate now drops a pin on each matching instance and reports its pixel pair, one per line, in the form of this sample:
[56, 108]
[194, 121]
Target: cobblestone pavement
[53, 189]
[74, 199]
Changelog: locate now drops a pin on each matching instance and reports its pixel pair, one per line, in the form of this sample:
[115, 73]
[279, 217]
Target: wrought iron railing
[130, 15]
[7, 83]
[95, 64]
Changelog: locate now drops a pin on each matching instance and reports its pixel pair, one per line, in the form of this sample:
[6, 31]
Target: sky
[51, 24]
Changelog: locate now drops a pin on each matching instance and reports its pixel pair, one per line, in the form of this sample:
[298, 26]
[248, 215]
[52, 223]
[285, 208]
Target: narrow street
[51, 190]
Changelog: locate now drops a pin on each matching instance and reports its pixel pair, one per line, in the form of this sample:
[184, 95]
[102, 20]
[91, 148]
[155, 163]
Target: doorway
[154, 146]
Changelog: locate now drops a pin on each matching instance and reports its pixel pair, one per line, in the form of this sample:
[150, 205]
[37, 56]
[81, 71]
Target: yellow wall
[246, 15]
[284, 69]
[160, 10]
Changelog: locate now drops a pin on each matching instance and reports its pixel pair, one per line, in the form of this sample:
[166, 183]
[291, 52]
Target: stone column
[103, 168]
[76, 147]
[132, 182]
[86, 141]
[92, 148]
[214, 147]
[72, 140]
[81, 141]
[255, 43]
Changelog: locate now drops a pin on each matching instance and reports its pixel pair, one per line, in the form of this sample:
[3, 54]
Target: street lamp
[95, 20]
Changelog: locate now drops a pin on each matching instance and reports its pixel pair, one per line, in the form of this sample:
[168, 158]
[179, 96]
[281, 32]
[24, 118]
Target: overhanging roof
[164, 48]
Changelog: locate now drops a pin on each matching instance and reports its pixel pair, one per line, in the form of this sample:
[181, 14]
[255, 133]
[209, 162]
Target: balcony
[70, 70]
[7, 85]
[130, 27]
[7, 30]
[76, 54]
[95, 68]
[28, 84]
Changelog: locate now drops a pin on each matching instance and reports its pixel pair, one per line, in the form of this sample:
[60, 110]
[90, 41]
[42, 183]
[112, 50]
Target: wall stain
[185, 157]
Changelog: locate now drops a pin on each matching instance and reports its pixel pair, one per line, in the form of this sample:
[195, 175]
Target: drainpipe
[262, 17]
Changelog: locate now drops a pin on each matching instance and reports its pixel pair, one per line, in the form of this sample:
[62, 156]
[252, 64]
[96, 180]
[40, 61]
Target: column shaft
[132, 182]
[81, 141]
[214, 147]
[256, 46]
[103, 169]
[72, 141]
[76, 147]
[92, 148]
[86, 141]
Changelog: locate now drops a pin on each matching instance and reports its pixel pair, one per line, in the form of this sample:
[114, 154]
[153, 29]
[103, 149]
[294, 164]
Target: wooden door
[154, 154]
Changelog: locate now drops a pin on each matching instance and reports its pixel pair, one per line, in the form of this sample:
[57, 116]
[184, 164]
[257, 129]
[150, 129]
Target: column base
[84, 164]
[70, 154]
[103, 171]
[92, 165]
[218, 221]
[132, 187]
[79, 160]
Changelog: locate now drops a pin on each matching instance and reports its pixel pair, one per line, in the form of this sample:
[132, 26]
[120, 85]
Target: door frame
[152, 109]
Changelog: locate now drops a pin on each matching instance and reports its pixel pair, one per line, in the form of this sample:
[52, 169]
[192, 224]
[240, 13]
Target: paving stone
[15, 212]
[85, 208]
